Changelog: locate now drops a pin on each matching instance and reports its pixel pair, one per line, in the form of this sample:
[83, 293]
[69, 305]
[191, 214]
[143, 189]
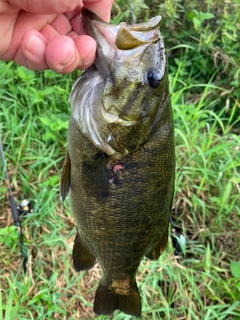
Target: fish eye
[154, 77]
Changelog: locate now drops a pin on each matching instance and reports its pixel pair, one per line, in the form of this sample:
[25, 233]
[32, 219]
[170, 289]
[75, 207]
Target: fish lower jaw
[125, 123]
[113, 116]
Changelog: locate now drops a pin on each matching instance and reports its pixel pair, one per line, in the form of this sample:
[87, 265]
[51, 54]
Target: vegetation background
[202, 39]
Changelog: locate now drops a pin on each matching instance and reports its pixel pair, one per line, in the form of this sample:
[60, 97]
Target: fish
[120, 165]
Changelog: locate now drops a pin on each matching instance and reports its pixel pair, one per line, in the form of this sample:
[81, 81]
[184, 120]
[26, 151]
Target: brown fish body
[120, 171]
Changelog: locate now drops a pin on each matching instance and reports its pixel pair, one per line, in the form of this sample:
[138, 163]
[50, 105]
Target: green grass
[203, 283]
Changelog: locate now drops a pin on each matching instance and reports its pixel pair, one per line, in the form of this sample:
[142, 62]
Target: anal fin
[107, 300]
[158, 250]
[65, 177]
[83, 258]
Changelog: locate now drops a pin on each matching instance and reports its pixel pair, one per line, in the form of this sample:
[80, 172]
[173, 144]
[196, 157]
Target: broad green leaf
[235, 269]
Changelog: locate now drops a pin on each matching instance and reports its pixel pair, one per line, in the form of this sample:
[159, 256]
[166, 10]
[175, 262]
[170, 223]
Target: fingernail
[36, 46]
[69, 60]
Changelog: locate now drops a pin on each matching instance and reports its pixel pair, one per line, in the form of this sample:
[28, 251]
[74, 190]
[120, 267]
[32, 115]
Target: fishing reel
[25, 207]
[178, 239]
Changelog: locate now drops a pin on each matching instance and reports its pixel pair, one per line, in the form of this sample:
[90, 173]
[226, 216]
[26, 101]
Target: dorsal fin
[83, 258]
[65, 180]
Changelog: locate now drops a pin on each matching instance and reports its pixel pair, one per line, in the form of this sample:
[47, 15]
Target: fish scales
[121, 159]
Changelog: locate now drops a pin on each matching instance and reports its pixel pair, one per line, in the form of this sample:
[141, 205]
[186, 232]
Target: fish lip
[104, 34]
[97, 28]
[90, 15]
[153, 23]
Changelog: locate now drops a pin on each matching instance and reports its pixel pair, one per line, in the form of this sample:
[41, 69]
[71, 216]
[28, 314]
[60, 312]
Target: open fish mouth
[121, 41]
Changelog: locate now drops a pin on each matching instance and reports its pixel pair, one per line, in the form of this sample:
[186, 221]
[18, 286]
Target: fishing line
[132, 12]
[15, 212]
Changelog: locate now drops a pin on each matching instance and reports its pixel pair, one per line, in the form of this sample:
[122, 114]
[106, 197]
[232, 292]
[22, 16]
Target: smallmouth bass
[121, 160]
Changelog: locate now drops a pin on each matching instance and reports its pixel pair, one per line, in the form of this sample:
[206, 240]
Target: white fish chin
[91, 116]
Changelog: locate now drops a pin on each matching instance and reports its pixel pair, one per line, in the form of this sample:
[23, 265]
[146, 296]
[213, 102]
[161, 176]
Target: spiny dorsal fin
[83, 259]
[65, 177]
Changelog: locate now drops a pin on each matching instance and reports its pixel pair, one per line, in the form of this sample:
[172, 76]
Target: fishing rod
[15, 212]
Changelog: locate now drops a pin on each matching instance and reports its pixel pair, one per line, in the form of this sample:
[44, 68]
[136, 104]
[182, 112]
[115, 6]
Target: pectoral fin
[158, 250]
[95, 176]
[65, 177]
[83, 258]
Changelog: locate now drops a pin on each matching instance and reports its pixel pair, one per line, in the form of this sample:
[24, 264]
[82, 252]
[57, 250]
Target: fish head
[129, 57]
[123, 48]
[131, 65]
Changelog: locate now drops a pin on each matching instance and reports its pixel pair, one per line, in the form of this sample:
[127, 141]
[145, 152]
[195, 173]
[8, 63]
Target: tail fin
[107, 300]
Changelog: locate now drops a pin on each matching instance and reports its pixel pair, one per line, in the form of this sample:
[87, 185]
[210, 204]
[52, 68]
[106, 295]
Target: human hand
[48, 34]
